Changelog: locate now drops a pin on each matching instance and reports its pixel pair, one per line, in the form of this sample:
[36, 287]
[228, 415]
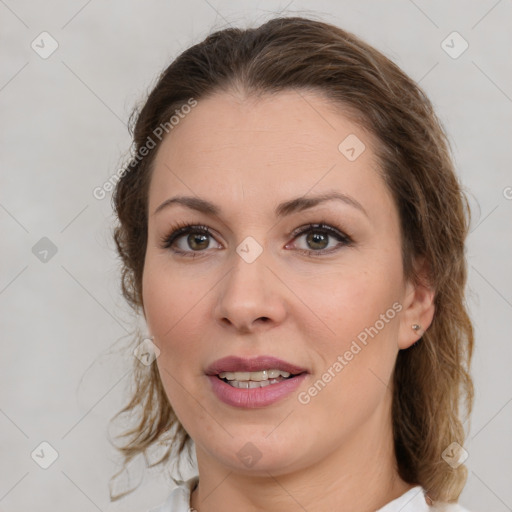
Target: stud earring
[416, 327]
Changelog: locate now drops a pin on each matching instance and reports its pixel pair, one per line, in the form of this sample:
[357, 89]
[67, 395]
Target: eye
[191, 239]
[319, 239]
[187, 239]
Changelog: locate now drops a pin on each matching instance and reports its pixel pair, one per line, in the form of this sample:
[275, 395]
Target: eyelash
[185, 228]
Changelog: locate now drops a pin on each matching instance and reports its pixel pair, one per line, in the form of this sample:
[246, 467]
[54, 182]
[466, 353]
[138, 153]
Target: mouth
[255, 369]
[253, 380]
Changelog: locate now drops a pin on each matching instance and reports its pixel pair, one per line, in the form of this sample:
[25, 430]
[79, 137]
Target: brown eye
[318, 238]
[188, 239]
[198, 242]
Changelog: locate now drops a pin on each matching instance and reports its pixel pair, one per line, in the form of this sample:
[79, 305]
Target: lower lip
[257, 397]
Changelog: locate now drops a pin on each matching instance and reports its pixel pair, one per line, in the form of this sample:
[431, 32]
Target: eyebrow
[286, 208]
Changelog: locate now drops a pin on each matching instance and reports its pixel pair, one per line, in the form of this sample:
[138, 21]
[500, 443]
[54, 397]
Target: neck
[361, 475]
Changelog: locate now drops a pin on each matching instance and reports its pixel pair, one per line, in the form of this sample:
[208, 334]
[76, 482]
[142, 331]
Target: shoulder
[449, 507]
[414, 501]
[179, 499]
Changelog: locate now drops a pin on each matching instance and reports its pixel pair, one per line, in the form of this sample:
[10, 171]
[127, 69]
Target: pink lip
[257, 397]
[254, 364]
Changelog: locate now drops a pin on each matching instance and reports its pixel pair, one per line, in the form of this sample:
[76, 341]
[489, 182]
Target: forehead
[255, 152]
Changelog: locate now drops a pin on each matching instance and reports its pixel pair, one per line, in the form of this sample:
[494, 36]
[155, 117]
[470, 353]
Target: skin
[246, 155]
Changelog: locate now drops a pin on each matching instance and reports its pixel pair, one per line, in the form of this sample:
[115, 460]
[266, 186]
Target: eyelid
[332, 231]
[182, 228]
[321, 226]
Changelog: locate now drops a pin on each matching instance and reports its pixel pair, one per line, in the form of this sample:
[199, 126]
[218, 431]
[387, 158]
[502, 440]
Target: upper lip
[253, 364]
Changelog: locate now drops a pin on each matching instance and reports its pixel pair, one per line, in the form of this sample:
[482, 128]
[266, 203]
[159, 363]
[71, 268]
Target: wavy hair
[432, 383]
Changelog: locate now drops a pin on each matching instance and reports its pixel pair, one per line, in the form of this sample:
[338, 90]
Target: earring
[416, 327]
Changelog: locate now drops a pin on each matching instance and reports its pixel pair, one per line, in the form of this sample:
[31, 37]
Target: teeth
[260, 376]
[249, 384]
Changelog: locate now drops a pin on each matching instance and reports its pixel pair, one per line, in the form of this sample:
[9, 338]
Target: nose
[250, 298]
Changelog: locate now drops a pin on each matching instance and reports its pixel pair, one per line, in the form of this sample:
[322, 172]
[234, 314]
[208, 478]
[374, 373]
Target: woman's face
[330, 301]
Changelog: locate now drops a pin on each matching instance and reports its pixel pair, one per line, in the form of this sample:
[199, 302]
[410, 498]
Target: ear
[418, 307]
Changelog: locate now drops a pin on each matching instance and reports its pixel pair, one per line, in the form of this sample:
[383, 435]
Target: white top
[411, 501]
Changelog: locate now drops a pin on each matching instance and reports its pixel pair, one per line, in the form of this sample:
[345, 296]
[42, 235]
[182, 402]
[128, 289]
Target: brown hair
[431, 379]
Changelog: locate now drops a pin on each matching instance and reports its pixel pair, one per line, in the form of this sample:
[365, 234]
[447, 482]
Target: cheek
[360, 309]
[171, 305]
[175, 313]
[355, 373]
[351, 300]
[170, 300]
[157, 297]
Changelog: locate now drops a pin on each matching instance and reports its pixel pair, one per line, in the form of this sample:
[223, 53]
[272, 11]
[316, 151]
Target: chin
[256, 454]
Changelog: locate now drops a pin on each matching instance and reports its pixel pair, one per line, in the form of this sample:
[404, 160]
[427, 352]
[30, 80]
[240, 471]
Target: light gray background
[63, 133]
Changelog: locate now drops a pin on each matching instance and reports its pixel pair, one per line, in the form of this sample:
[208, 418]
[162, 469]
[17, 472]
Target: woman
[293, 231]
